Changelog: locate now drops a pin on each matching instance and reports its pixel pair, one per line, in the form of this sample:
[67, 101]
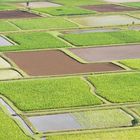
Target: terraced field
[70, 70]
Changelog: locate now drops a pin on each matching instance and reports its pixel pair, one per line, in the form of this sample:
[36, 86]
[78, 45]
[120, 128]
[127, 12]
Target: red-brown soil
[109, 8]
[16, 14]
[54, 62]
[106, 54]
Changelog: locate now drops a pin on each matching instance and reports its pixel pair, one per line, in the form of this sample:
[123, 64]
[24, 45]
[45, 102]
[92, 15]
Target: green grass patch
[118, 88]
[79, 2]
[133, 4]
[64, 11]
[43, 23]
[9, 129]
[132, 63]
[34, 40]
[106, 38]
[48, 93]
[7, 7]
[103, 118]
[5, 26]
[132, 134]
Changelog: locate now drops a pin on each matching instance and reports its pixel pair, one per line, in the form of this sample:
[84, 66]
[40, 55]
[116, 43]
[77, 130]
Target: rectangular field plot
[9, 74]
[12, 129]
[63, 11]
[51, 93]
[132, 63]
[131, 134]
[109, 8]
[44, 23]
[34, 40]
[106, 20]
[106, 38]
[55, 62]
[16, 14]
[5, 26]
[4, 63]
[109, 53]
[81, 120]
[40, 4]
[118, 88]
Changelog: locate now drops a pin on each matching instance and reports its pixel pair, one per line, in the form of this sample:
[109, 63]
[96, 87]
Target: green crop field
[110, 135]
[118, 87]
[133, 4]
[34, 40]
[107, 38]
[5, 26]
[9, 129]
[7, 7]
[132, 63]
[44, 23]
[48, 94]
[64, 11]
[103, 118]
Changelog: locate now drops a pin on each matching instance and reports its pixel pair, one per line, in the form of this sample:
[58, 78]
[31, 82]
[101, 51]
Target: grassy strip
[5, 26]
[64, 11]
[132, 63]
[9, 126]
[79, 2]
[133, 4]
[43, 23]
[118, 87]
[7, 7]
[107, 38]
[33, 40]
[50, 93]
[132, 134]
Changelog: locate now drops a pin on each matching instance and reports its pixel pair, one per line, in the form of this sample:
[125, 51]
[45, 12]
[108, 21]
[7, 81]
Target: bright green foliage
[34, 40]
[63, 11]
[132, 134]
[44, 23]
[118, 87]
[106, 38]
[9, 130]
[48, 93]
[132, 63]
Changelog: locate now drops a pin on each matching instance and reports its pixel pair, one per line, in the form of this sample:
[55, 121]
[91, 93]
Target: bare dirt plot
[39, 63]
[109, 8]
[16, 14]
[105, 20]
[109, 53]
[41, 4]
[122, 1]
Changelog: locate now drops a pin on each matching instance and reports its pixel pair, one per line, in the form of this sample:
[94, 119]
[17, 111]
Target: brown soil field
[106, 54]
[109, 8]
[16, 14]
[55, 62]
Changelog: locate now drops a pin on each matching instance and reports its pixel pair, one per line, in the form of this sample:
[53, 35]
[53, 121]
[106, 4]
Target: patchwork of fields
[70, 70]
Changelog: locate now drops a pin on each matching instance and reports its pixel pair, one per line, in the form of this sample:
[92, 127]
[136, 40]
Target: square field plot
[118, 88]
[13, 14]
[81, 120]
[41, 63]
[106, 20]
[109, 8]
[40, 4]
[51, 93]
[121, 1]
[109, 53]
[4, 42]
[4, 63]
